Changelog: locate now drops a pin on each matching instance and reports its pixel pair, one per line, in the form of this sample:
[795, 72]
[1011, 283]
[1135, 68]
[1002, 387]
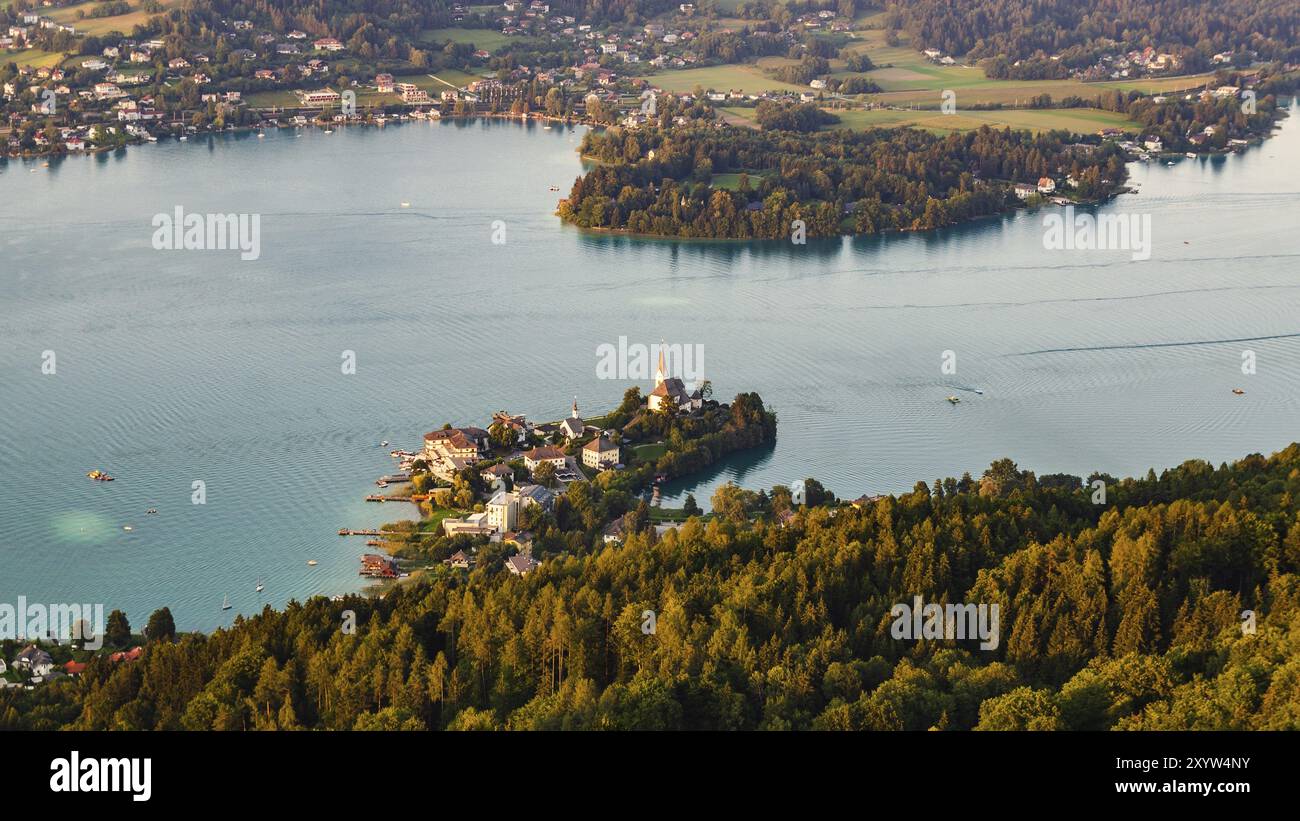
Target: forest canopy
[773, 615]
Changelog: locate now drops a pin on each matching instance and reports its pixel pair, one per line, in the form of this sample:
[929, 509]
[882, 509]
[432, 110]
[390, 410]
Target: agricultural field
[123, 23]
[1077, 120]
[746, 77]
[919, 83]
[913, 89]
[33, 57]
[908, 78]
[486, 39]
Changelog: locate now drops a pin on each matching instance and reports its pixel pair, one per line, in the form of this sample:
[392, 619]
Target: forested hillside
[1076, 30]
[1120, 615]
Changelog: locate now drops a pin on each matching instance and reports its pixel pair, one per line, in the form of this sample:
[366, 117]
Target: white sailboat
[260, 586]
[225, 603]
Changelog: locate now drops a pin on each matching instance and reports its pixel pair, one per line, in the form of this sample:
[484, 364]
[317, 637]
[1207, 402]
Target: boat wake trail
[1144, 345]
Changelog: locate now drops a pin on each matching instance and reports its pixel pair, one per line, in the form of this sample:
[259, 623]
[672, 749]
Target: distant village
[248, 76]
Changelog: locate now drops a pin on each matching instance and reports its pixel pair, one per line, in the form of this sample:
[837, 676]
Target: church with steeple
[671, 390]
[573, 427]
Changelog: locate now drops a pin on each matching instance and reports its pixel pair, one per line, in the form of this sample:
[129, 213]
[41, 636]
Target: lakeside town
[79, 87]
[514, 486]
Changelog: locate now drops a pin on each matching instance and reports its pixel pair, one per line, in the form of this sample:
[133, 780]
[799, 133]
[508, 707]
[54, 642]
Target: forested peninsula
[674, 183]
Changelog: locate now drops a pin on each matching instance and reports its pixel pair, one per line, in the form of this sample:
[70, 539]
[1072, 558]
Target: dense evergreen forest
[658, 182]
[1078, 31]
[1122, 615]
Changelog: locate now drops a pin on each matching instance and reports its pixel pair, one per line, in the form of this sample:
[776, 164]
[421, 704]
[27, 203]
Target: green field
[651, 452]
[33, 57]
[731, 180]
[1078, 120]
[486, 39]
[123, 23]
[747, 78]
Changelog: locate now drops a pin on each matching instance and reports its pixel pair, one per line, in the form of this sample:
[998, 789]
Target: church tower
[661, 372]
[575, 407]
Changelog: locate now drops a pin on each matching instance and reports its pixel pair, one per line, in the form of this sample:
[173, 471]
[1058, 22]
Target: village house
[600, 453]
[460, 560]
[1046, 185]
[34, 661]
[521, 564]
[456, 443]
[1024, 190]
[328, 44]
[530, 495]
[496, 473]
[133, 654]
[536, 457]
[515, 422]
[384, 83]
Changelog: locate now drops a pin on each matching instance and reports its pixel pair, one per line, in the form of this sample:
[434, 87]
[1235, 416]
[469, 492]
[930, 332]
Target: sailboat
[225, 603]
[259, 587]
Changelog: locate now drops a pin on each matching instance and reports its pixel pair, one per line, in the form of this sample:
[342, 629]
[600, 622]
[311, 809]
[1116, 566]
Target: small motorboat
[383, 444]
[1190, 155]
[329, 131]
[312, 562]
[225, 603]
[406, 205]
[99, 476]
[127, 528]
[153, 511]
[954, 399]
[1238, 391]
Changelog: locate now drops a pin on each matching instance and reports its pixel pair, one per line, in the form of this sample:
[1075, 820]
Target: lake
[180, 366]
